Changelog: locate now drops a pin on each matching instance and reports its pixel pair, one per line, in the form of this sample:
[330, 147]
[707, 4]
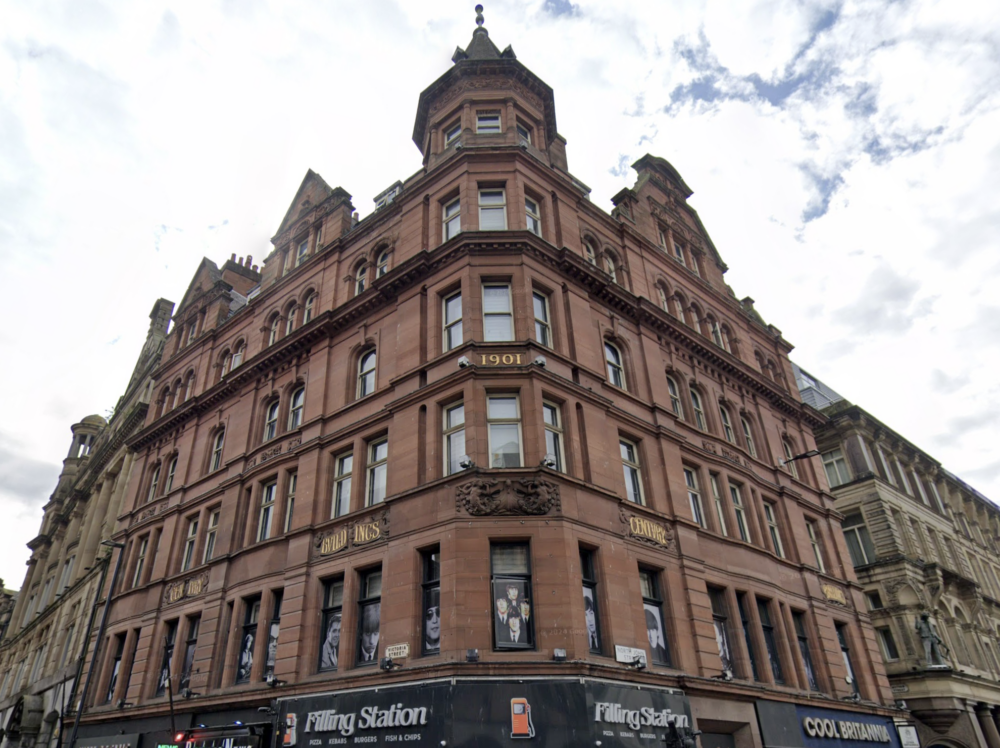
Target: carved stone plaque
[488, 496]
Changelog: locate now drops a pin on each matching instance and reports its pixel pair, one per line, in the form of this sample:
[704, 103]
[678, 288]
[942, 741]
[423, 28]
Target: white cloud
[137, 138]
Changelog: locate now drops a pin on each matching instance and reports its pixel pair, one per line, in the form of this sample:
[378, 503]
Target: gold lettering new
[367, 533]
[175, 593]
[334, 542]
[194, 586]
[646, 529]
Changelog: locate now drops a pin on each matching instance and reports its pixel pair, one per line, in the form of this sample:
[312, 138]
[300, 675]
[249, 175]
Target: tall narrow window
[210, 535]
[675, 398]
[543, 333]
[804, 649]
[116, 664]
[193, 625]
[366, 374]
[716, 333]
[169, 641]
[266, 515]
[140, 560]
[616, 371]
[272, 335]
[272, 636]
[720, 511]
[553, 435]
[513, 614]
[295, 411]
[301, 252]
[454, 437]
[498, 319]
[523, 134]
[271, 421]
[452, 321]
[171, 471]
[333, 602]
[452, 219]
[813, 532]
[432, 602]
[699, 413]
[836, 468]
[237, 356]
[741, 601]
[652, 604]
[845, 652]
[589, 252]
[720, 619]
[154, 483]
[888, 644]
[632, 470]
[290, 319]
[492, 210]
[504, 420]
[859, 542]
[727, 427]
[770, 514]
[67, 573]
[694, 496]
[770, 642]
[679, 254]
[310, 306]
[609, 267]
[748, 436]
[187, 559]
[382, 264]
[378, 465]
[662, 294]
[369, 616]
[293, 481]
[590, 611]
[360, 279]
[248, 638]
[342, 485]
[533, 215]
[789, 454]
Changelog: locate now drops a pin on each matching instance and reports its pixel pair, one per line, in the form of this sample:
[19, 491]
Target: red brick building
[535, 443]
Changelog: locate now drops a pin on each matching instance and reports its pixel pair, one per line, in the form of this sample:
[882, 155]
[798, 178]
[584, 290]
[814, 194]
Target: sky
[845, 158]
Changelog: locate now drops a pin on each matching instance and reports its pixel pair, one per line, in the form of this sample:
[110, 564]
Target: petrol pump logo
[289, 738]
[521, 725]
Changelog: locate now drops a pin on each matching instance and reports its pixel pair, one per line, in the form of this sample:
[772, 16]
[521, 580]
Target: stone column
[121, 486]
[988, 726]
[96, 522]
[22, 599]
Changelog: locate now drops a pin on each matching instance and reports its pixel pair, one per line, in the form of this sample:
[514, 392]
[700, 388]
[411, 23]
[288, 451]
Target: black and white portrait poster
[331, 642]
[245, 664]
[432, 620]
[368, 637]
[590, 614]
[513, 626]
[654, 630]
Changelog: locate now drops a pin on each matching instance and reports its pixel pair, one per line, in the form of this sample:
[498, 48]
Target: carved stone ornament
[479, 83]
[486, 496]
[834, 594]
[646, 530]
[185, 588]
[150, 512]
[362, 531]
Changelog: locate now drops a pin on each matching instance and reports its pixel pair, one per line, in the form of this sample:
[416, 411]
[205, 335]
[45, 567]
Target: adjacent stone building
[922, 541]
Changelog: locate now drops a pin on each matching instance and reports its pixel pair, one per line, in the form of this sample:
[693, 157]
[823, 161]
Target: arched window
[675, 398]
[382, 264]
[698, 319]
[699, 413]
[171, 471]
[290, 321]
[683, 313]
[589, 252]
[154, 483]
[789, 449]
[366, 374]
[189, 386]
[609, 266]
[727, 426]
[238, 355]
[165, 401]
[216, 460]
[307, 314]
[178, 389]
[360, 279]
[225, 363]
[748, 435]
[662, 294]
[727, 340]
[716, 332]
[272, 334]
[616, 371]
[295, 412]
[271, 421]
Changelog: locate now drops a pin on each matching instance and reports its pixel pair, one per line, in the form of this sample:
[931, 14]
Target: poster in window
[272, 648]
[368, 646]
[246, 657]
[654, 630]
[432, 620]
[590, 613]
[331, 643]
[512, 614]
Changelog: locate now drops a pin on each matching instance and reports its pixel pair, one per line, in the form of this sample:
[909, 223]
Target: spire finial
[479, 16]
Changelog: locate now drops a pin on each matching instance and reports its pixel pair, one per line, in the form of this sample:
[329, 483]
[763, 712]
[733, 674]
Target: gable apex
[312, 192]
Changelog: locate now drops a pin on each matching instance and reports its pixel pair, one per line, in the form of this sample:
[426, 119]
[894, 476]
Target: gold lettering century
[815, 727]
[646, 529]
[495, 359]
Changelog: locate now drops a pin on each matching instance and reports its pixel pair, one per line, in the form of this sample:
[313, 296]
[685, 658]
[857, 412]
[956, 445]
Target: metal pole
[97, 644]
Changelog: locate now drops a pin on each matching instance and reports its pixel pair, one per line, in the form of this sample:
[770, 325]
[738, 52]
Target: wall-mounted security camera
[549, 460]
[465, 462]
[540, 361]
[464, 361]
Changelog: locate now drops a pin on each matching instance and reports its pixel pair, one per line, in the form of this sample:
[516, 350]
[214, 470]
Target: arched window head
[310, 306]
[216, 460]
[699, 412]
[226, 363]
[662, 294]
[589, 252]
[748, 436]
[238, 355]
[609, 266]
[716, 332]
[272, 334]
[178, 392]
[675, 397]
[360, 280]
[171, 471]
[154, 483]
[290, 321]
[366, 374]
[382, 264]
[616, 370]
[727, 339]
[271, 421]
[789, 449]
[189, 387]
[295, 411]
[683, 313]
[727, 425]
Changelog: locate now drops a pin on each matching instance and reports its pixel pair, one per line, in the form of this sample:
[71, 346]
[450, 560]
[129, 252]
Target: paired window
[699, 413]
[378, 466]
[513, 624]
[675, 398]
[716, 332]
[271, 421]
[432, 602]
[845, 652]
[171, 471]
[631, 468]
[154, 483]
[187, 667]
[589, 252]
[748, 436]
[770, 515]
[799, 619]
[720, 511]
[187, 557]
[743, 605]
[609, 267]
[333, 605]
[366, 374]
[652, 604]
[272, 334]
[504, 421]
[488, 122]
[244, 662]
[616, 370]
[140, 560]
[211, 534]
[452, 219]
[727, 426]
[310, 306]
[454, 437]
[116, 664]
[498, 317]
[369, 617]
[169, 642]
[295, 412]
[360, 279]
[694, 496]
[770, 641]
[382, 264]
[301, 252]
[553, 435]
[836, 468]
[273, 629]
[789, 454]
[492, 210]
[543, 331]
[720, 620]
[533, 216]
[266, 514]
[590, 612]
[452, 321]
[290, 319]
[342, 485]
[813, 531]
[859, 542]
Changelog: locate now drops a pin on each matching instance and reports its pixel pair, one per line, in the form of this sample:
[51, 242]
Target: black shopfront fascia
[201, 730]
[550, 713]
[784, 725]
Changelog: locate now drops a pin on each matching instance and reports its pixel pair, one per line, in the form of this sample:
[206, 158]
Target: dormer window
[523, 134]
[679, 254]
[663, 240]
[488, 122]
[301, 252]
[452, 134]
